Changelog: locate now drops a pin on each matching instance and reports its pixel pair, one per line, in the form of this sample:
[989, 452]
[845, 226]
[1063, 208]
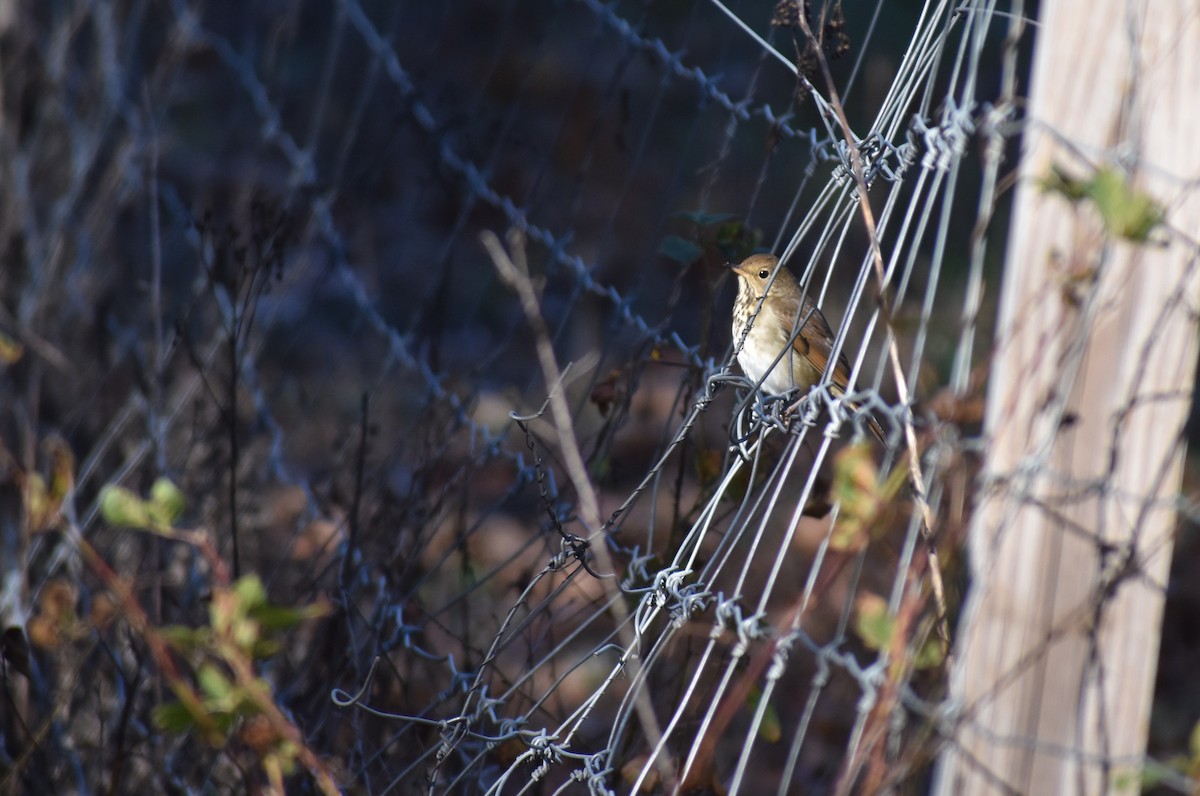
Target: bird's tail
[875, 427]
[857, 408]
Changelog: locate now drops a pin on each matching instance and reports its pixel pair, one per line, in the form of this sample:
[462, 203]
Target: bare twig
[885, 311]
[514, 271]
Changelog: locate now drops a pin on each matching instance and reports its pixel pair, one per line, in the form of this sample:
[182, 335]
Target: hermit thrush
[773, 353]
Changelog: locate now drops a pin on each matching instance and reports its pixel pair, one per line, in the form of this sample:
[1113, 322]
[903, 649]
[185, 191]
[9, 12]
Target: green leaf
[704, 219]
[931, 654]
[771, 729]
[167, 500]
[1127, 212]
[1060, 182]
[856, 488]
[874, 626]
[245, 633]
[215, 685]
[730, 233]
[186, 639]
[174, 717]
[250, 591]
[872, 623]
[275, 618]
[681, 250]
[1150, 776]
[264, 648]
[224, 721]
[864, 498]
[10, 349]
[120, 506]
[288, 752]
[199, 716]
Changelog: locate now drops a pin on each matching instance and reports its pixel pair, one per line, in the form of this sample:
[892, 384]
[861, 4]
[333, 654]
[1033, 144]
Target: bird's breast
[767, 356]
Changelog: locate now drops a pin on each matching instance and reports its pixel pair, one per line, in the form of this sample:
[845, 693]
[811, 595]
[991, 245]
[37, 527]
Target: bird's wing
[815, 344]
[816, 348]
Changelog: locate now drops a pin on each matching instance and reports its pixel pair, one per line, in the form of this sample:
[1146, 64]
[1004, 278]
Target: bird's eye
[763, 274]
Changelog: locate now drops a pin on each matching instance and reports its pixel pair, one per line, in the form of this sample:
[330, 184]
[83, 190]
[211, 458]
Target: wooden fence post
[1090, 387]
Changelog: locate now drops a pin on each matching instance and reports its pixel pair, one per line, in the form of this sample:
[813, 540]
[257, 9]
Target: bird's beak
[735, 267]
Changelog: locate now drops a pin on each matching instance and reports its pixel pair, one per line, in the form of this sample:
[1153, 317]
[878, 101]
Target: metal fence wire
[424, 307]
